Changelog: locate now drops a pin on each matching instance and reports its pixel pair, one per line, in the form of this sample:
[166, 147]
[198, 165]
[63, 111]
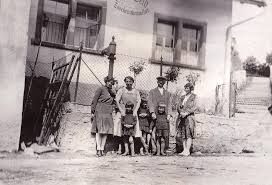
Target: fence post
[161, 67]
[78, 71]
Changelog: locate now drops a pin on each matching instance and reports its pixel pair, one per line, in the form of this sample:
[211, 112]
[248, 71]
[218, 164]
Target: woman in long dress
[102, 106]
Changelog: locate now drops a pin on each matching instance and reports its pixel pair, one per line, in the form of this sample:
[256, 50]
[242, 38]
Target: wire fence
[93, 69]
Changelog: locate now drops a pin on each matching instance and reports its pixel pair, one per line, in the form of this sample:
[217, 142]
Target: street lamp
[110, 51]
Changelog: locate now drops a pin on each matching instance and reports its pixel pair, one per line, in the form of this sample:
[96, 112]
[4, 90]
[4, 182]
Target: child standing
[145, 126]
[162, 129]
[128, 122]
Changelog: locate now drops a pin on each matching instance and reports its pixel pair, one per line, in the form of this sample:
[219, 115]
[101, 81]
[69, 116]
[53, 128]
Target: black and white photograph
[141, 92]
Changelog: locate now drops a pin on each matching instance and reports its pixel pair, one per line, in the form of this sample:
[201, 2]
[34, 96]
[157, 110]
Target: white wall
[134, 36]
[14, 17]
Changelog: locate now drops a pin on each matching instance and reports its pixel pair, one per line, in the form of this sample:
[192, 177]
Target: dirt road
[89, 170]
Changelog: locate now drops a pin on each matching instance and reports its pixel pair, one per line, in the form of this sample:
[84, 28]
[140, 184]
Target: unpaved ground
[87, 169]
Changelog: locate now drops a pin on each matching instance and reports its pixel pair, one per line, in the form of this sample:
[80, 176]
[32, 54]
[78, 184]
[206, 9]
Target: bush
[269, 58]
[251, 65]
[263, 70]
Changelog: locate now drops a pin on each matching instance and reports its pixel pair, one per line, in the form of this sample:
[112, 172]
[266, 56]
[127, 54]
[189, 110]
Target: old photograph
[144, 92]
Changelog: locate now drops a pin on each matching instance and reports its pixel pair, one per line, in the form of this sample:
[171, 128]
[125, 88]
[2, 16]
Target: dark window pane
[88, 12]
[193, 47]
[169, 42]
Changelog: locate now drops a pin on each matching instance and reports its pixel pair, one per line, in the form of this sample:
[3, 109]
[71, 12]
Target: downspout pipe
[227, 53]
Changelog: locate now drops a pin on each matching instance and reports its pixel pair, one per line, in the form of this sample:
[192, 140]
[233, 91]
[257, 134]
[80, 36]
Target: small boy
[128, 122]
[162, 129]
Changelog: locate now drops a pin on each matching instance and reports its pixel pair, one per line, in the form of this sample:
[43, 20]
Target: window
[190, 44]
[54, 16]
[179, 41]
[88, 12]
[88, 21]
[56, 24]
[165, 40]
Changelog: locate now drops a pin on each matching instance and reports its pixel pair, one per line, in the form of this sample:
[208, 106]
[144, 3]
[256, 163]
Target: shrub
[193, 77]
[269, 58]
[251, 65]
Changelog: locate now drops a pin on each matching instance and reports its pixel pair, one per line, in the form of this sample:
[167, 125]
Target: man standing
[156, 96]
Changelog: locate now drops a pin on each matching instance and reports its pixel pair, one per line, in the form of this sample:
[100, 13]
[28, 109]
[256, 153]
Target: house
[187, 34]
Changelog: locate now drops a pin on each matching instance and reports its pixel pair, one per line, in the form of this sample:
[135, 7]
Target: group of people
[127, 115]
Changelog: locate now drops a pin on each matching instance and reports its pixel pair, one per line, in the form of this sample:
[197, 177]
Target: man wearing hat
[157, 95]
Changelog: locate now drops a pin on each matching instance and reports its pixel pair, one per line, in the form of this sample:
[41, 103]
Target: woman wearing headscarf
[102, 107]
[186, 118]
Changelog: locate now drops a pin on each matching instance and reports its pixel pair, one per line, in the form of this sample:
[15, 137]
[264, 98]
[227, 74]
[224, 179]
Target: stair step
[253, 107]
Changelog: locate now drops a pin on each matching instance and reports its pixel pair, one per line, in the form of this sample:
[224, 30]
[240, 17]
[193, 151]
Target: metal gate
[54, 97]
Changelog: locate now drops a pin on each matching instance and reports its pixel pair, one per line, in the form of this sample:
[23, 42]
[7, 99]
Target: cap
[108, 79]
[162, 104]
[161, 78]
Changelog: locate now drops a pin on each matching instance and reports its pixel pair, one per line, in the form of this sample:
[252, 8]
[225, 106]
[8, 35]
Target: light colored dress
[123, 96]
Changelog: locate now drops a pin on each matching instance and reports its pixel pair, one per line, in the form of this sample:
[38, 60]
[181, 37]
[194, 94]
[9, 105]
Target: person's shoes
[182, 153]
[147, 153]
[163, 154]
[142, 152]
[118, 152]
[186, 153]
[102, 153]
[125, 153]
[158, 154]
[98, 153]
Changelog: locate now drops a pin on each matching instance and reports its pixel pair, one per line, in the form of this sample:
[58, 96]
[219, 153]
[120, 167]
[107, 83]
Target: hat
[108, 79]
[161, 78]
[162, 104]
[143, 99]
[190, 85]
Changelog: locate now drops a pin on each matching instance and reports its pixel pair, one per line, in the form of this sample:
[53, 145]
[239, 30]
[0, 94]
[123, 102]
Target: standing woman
[125, 94]
[102, 107]
[186, 118]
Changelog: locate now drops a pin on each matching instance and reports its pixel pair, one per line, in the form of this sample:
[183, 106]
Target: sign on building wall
[132, 7]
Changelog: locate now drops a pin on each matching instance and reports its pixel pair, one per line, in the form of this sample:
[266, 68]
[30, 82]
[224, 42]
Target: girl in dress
[128, 122]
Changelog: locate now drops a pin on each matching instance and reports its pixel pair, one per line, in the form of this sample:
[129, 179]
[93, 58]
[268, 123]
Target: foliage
[251, 65]
[137, 67]
[269, 58]
[263, 70]
[193, 77]
[172, 73]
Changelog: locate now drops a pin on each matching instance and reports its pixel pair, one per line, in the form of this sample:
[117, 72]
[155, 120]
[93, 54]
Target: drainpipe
[227, 59]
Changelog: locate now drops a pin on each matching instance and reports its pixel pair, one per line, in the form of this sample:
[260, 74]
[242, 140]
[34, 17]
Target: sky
[253, 38]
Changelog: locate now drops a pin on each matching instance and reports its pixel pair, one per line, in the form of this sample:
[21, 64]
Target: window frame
[38, 32]
[178, 38]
